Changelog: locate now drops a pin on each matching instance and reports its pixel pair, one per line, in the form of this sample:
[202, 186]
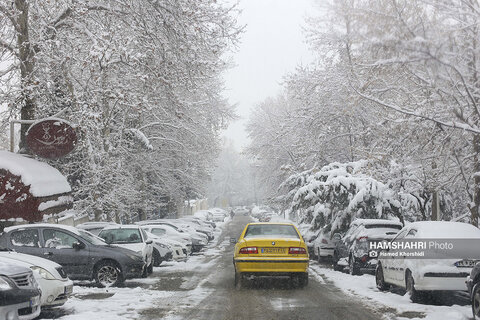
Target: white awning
[43, 179]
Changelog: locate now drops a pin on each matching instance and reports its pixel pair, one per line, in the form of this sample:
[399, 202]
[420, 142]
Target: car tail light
[248, 250]
[364, 259]
[363, 239]
[324, 241]
[297, 250]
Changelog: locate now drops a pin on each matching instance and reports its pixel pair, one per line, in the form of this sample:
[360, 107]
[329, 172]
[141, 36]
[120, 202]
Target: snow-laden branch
[450, 124]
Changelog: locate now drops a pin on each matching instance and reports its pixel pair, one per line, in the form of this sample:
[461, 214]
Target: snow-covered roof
[377, 221]
[43, 225]
[43, 179]
[445, 230]
[121, 226]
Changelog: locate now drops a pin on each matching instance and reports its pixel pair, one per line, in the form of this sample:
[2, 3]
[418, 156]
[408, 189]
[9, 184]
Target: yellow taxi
[271, 249]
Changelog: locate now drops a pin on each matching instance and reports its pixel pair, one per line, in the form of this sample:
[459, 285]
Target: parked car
[242, 211]
[420, 275]
[309, 236]
[131, 237]
[52, 279]
[82, 255]
[352, 252]
[473, 285]
[19, 293]
[177, 251]
[205, 215]
[208, 231]
[161, 251]
[199, 240]
[94, 226]
[323, 245]
[165, 231]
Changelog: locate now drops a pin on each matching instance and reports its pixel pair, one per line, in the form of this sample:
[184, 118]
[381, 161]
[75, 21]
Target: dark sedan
[82, 255]
[19, 293]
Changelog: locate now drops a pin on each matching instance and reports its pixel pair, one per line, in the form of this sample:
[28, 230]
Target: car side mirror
[149, 241]
[78, 245]
[233, 240]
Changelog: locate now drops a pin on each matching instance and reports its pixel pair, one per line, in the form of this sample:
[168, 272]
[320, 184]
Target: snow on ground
[90, 302]
[364, 286]
[112, 303]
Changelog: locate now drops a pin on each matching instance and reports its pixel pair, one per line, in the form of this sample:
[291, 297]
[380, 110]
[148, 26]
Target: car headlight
[4, 284]
[43, 272]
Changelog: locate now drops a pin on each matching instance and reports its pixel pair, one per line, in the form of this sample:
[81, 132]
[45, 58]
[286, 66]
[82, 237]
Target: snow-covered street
[202, 288]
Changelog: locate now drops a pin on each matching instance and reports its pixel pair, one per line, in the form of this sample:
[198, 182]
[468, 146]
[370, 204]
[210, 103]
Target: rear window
[270, 231]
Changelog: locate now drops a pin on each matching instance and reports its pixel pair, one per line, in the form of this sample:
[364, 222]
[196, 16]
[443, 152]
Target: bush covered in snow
[336, 194]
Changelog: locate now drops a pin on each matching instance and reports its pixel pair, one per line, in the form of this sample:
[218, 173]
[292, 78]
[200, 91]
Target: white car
[161, 250]
[323, 246]
[50, 276]
[177, 250]
[444, 273]
[165, 231]
[131, 237]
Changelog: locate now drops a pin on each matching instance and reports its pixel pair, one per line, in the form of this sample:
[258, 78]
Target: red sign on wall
[51, 138]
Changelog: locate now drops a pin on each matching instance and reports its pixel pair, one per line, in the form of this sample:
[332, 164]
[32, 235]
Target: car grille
[24, 280]
[62, 272]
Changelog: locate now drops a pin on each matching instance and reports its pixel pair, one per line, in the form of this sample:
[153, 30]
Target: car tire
[335, 259]
[476, 301]
[352, 267]
[302, 280]
[238, 280]
[379, 279]
[157, 258]
[107, 274]
[319, 257]
[415, 295]
[150, 267]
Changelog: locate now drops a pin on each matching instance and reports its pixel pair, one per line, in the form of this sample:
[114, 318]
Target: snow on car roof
[43, 179]
[444, 229]
[376, 221]
[43, 225]
[122, 226]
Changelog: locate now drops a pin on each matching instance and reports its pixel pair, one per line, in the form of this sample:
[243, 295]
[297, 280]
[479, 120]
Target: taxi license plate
[273, 250]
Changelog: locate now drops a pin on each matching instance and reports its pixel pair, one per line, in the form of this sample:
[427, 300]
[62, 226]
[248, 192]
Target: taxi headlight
[4, 284]
[43, 272]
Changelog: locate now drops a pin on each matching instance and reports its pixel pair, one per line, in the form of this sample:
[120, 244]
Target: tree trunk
[476, 180]
[26, 59]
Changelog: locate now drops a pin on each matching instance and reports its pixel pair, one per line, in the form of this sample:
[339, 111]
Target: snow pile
[364, 286]
[337, 194]
[43, 179]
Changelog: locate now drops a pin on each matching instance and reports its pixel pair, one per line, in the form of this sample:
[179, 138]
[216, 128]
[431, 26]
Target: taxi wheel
[303, 280]
[476, 302]
[238, 280]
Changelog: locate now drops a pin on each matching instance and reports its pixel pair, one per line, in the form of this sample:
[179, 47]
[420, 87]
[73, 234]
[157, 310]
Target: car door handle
[48, 254]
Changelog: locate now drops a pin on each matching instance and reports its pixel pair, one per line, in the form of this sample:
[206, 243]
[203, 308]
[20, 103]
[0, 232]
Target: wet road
[218, 299]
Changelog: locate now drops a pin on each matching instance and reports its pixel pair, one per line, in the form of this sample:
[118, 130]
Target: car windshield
[120, 236]
[271, 230]
[91, 238]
